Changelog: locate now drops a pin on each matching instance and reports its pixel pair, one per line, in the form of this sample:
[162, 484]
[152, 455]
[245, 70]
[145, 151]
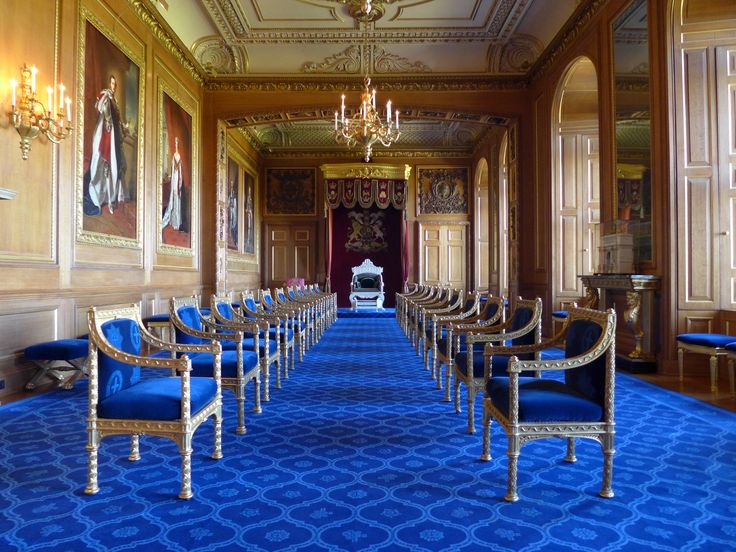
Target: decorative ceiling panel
[446, 37]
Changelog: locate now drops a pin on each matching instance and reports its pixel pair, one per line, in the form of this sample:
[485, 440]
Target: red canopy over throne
[365, 207]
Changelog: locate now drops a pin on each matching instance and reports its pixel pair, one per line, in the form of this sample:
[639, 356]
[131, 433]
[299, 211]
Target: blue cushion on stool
[731, 347]
[157, 318]
[61, 349]
[559, 314]
[706, 339]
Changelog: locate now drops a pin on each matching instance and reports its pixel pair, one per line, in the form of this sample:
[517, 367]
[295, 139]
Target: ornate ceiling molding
[515, 56]
[347, 61]
[166, 36]
[427, 84]
[386, 62]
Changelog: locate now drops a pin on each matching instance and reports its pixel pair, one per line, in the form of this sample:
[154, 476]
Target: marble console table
[639, 314]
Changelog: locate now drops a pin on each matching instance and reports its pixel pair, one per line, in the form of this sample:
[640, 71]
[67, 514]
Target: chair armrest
[510, 350]
[181, 364]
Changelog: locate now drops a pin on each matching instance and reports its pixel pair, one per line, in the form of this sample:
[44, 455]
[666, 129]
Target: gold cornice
[564, 38]
[167, 37]
[435, 83]
[365, 170]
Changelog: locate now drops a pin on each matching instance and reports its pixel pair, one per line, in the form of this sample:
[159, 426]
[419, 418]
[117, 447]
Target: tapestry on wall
[233, 203]
[442, 190]
[291, 191]
[175, 158]
[367, 231]
[111, 141]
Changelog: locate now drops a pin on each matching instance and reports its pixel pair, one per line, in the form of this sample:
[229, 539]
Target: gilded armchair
[124, 402]
[524, 326]
[581, 405]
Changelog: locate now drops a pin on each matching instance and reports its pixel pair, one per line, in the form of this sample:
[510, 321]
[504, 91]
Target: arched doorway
[576, 181]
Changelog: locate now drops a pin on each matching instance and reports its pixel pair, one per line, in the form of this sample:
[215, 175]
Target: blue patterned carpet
[387, 312]
[357, 452]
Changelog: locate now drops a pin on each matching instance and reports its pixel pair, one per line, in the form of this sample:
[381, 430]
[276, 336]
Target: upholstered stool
[159, 324]
[54, 357]
[713, 345]
[731, 348]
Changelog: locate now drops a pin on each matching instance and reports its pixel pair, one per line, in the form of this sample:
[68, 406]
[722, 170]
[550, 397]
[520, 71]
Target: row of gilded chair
[226, 346]
[505, 359]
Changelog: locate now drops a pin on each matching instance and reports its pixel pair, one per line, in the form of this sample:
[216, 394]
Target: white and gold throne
[366, 288]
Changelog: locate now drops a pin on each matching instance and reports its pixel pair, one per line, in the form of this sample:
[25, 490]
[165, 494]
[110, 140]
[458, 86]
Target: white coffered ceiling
[410, 39]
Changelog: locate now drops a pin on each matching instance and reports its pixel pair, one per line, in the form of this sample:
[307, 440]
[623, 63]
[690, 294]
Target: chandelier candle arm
[31, 118]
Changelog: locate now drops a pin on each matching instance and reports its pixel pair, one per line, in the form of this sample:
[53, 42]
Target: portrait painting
[249, 215]
[291, 191]
[233, 203]
[111, 139]
[175, 158]
[442, 190]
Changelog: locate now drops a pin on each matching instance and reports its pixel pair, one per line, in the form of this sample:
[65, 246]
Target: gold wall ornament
[360, 170]
[32, 118]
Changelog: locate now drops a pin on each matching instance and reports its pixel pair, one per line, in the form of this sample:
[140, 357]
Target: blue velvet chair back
[225, 310]
[251, 305]
[114, 376]
[522, 317]
[299, 292]
[282, 297]
[469, 304]
[189, 315]
[316, 288]
[291, 293]
[590, 379]
[492, 310]
[267, 299]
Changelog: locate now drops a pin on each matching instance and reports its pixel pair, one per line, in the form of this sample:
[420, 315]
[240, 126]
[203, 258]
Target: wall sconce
[29, 115]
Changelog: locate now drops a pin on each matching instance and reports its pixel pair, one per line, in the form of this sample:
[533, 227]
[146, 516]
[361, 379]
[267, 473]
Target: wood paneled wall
[703, 52]
[49, 278]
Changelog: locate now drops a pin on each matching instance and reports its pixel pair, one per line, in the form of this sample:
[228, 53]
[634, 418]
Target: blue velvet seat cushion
[731, 347]
[156, 399]
[498, 366]
[61, 349]
[280, 330]
[559, 314]
[544, 400]
[248, 345]
[706, 339]
[202, 363]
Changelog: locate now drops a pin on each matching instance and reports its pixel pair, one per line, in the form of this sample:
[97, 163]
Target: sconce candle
[31, 118]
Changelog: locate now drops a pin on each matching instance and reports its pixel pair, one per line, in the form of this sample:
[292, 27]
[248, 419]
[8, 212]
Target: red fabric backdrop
[343, 260]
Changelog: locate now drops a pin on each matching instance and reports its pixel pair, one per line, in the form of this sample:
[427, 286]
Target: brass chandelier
[366, 126]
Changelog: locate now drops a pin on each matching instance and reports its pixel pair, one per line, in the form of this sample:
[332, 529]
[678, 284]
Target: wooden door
[577, 216]
[290, 252]
[443, 259]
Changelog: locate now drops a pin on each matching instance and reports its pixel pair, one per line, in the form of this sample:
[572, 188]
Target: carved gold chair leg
[185, 450]
[513, 469]
[135, 451]
[217, 444]
[570, 456]
[92, 466]
[257, 403]
[608, 452]
[240, 398]
[485, 454]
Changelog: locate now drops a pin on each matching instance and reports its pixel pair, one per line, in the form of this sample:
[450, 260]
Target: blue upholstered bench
[54, 357]
[713, 345]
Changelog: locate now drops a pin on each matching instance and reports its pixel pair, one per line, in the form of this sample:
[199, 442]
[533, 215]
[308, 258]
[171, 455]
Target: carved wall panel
[443, 254]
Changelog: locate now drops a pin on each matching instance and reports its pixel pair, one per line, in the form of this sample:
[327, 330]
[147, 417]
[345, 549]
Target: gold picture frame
[168, 232]
[109, 61]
